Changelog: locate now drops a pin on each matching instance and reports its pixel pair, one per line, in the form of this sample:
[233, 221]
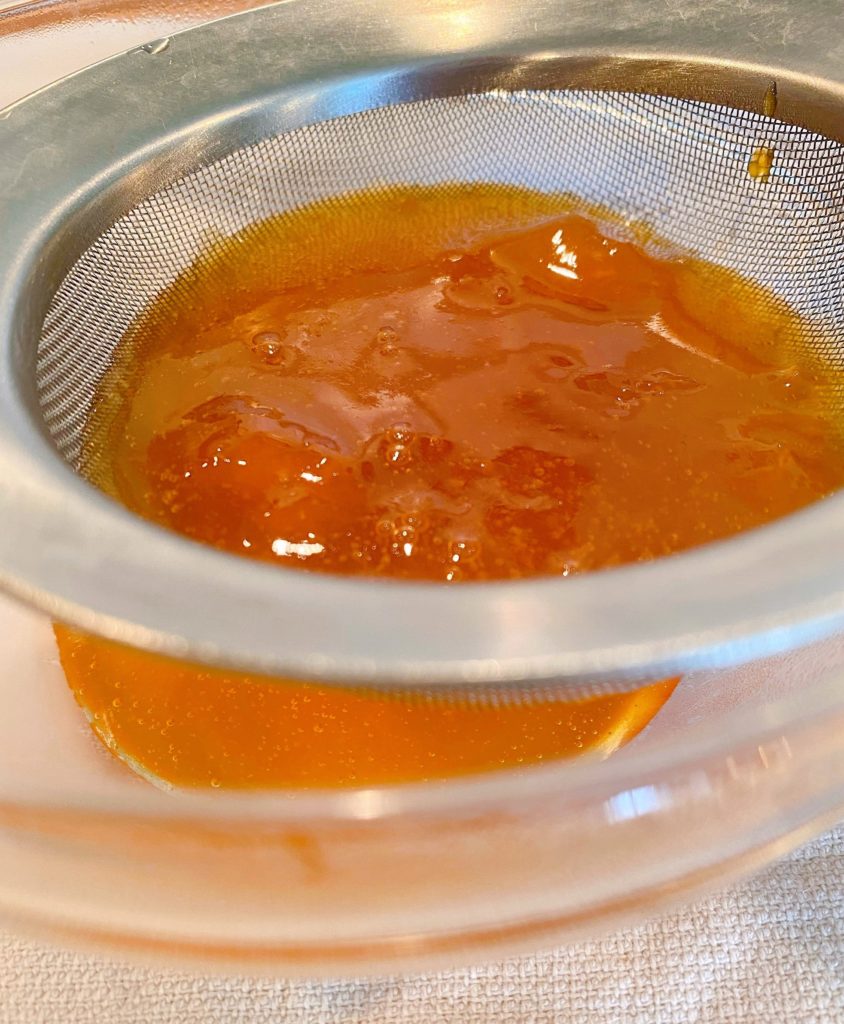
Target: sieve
[112, 181]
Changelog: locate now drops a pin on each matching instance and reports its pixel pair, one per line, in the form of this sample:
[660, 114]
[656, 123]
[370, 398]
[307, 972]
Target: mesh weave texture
[680, 166]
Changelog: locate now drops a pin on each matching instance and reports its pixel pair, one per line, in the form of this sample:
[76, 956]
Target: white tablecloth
[770, 951]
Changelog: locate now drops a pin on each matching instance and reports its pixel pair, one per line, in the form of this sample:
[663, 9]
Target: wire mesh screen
[679, 166]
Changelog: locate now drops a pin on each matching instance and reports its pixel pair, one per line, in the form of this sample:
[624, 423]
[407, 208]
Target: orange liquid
[192, 727]
[450, 384]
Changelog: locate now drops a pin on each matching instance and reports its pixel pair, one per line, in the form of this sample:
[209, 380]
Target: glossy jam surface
[195, 728]
[450, 385]
[494, 402]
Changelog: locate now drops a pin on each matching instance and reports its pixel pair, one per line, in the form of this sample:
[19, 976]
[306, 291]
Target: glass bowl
[739, 767]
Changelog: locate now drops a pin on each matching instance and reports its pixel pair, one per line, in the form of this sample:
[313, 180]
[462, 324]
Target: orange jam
[448, 384]
[190, 727]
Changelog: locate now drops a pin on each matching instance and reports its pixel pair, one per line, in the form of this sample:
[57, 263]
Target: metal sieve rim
[78, 155]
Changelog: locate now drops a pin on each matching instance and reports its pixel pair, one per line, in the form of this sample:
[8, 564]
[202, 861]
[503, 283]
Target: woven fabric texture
[769, 951]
